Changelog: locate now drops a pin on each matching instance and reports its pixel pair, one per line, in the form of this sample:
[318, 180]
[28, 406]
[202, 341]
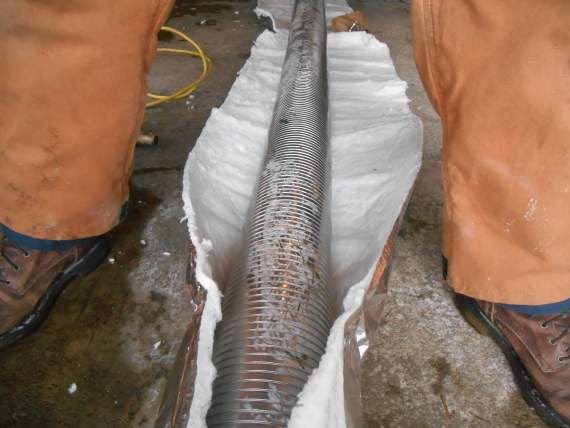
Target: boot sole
[474, 315]
[82, 267]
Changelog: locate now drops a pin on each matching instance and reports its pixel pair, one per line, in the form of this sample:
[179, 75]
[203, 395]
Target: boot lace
[6, 262]
[562, 324]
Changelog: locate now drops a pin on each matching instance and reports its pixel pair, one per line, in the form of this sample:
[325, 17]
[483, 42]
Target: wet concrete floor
[114, 335]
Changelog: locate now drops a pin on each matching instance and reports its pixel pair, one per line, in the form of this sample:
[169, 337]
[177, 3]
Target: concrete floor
[115, 334]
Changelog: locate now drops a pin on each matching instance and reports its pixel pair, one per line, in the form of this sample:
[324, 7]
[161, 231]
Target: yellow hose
[191, 87]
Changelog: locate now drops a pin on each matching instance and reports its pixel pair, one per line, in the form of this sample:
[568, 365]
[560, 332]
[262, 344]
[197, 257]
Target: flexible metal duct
[278, 309]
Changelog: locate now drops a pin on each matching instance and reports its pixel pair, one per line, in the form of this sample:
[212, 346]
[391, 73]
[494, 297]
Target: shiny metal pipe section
[278, 309]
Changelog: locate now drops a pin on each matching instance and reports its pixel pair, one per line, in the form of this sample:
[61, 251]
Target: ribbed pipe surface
[277, 309]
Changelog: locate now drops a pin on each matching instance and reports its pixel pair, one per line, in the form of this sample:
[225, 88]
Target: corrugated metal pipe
[278, 308]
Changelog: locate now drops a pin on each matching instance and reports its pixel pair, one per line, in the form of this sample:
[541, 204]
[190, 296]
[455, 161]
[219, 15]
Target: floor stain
[152, 170]
[193, 8]
[443, 371]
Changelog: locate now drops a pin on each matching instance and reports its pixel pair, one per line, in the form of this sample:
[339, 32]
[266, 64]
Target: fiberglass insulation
[376, 154]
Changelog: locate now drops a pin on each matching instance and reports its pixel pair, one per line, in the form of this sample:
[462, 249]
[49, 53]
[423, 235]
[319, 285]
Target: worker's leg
[498, 73]
[72, 91]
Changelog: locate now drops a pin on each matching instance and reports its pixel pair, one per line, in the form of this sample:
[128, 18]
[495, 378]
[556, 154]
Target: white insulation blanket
[376, 154]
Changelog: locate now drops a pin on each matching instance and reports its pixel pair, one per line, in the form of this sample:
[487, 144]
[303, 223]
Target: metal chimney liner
[278, 308]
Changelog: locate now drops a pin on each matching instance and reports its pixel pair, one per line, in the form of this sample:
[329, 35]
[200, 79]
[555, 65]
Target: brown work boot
[537, 348]
[30, 282]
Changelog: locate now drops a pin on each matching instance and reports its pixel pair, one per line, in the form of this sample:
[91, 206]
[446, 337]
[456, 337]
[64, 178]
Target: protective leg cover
[498, 73]
[72, 90]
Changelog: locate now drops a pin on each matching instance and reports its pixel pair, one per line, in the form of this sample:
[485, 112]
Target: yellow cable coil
[191, 87]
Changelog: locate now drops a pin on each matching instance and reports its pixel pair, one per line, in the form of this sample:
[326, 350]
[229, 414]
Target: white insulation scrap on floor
[376, 155]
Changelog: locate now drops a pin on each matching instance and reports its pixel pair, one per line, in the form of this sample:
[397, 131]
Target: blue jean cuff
[549, 309]
[31, 243]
